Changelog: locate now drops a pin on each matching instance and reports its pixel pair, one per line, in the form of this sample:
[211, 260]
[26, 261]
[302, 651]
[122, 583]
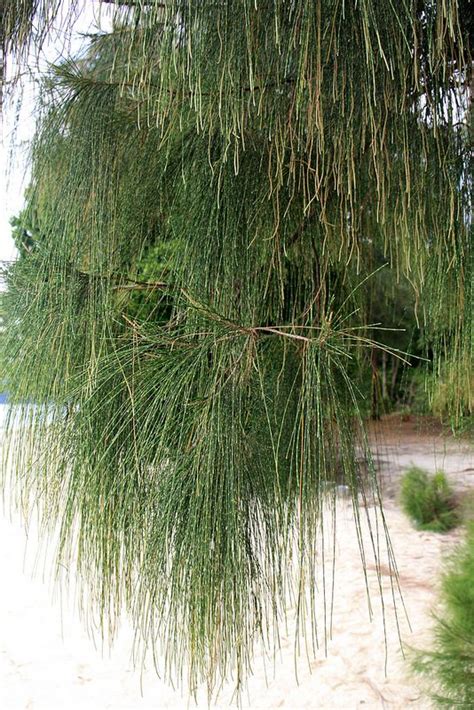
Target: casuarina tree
[216, 190]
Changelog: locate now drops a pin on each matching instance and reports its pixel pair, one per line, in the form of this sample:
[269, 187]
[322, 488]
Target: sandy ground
[48, 662]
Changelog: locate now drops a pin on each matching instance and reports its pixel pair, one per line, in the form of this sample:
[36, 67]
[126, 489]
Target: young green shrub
[428, 501]
[449, 665]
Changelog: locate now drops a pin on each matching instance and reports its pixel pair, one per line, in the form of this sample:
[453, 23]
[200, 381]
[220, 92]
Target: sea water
[3, 414]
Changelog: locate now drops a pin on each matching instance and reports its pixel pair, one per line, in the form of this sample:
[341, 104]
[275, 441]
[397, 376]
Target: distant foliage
[449, 666]
[452, 391]
[428, 501]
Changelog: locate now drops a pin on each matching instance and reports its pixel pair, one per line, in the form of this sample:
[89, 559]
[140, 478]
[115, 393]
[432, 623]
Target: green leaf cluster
[428, 500]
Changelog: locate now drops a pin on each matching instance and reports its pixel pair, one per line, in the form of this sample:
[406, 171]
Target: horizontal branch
[136, 3]
[140, 286]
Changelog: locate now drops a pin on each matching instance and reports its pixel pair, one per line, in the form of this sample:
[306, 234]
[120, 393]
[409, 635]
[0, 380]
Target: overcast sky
[13, 167]
[16, 134]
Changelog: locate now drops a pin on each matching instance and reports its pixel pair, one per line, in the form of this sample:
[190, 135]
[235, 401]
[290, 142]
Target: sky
[10, 205]
[19, 122]
[14, 167]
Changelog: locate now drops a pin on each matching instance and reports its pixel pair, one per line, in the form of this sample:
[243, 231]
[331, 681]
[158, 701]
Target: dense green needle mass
[215, 188]
[449, 665]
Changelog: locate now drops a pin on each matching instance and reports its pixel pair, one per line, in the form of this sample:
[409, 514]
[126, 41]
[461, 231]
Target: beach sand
[49, 662]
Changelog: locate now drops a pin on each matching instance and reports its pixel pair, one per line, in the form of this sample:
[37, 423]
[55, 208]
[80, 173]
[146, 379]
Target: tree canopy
[222, 196]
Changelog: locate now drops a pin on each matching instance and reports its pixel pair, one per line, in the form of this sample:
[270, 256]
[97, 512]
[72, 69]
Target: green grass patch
[428, 500]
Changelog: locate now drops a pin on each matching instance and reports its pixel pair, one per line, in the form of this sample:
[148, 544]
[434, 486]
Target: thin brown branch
[140, 286]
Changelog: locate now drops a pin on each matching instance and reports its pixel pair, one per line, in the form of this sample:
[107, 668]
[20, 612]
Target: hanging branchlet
[221, 192]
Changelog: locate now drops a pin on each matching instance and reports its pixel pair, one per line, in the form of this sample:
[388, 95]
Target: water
[3, 414]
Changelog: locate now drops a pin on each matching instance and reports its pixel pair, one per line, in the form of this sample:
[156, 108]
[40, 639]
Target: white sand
[48, 662]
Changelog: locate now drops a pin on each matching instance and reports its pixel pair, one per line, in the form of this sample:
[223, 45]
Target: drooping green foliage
[428, 500]
[448, 667]
[215, 190]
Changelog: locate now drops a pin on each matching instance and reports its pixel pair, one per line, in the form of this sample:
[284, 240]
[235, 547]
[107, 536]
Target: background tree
[215, 187]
